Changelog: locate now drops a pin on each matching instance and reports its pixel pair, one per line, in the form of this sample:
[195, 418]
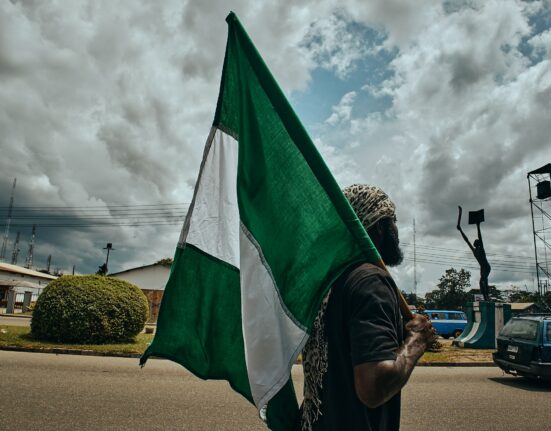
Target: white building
[151, 279]
[21, 280]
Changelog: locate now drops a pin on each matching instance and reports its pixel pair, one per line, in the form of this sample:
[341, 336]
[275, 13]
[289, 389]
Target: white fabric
[272, 339]
[214, 223]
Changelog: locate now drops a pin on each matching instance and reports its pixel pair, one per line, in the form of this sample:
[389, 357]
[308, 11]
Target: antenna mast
[29, 261]
[15, 252]
[414, 262]
[7, 233]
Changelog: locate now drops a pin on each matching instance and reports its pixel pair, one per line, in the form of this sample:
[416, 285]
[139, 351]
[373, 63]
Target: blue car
[524, 346]
[447, 323]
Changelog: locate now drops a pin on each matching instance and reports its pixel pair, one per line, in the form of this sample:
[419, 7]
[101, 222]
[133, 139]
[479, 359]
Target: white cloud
[343, 110]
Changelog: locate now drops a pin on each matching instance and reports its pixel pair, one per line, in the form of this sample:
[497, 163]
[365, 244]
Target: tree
[494, 293]
[523, 296]
[102, 270]
[451, 290]
[167, 261]
[411, 298]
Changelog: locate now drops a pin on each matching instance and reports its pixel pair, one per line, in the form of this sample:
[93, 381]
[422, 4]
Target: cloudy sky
[105, 108]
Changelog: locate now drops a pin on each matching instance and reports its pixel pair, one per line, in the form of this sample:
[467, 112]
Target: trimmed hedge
[89, 309]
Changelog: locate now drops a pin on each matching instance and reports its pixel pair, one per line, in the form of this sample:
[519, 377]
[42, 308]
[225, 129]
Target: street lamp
[108, 248]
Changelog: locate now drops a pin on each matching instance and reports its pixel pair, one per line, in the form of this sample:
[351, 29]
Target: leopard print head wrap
[370, 203]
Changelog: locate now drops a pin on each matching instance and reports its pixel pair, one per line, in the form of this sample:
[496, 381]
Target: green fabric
[295, 211]
[199, 324]
[285, 191]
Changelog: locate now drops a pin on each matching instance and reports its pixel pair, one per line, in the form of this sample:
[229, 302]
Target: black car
[524, 346]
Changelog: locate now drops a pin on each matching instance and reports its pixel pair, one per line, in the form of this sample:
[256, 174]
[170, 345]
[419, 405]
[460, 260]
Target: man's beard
[390, 247]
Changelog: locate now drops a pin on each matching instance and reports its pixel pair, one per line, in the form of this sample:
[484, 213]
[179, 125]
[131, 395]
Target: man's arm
[377, 382]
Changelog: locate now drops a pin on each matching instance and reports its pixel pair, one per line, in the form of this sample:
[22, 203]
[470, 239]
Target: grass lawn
[19, 336]
[449, 353]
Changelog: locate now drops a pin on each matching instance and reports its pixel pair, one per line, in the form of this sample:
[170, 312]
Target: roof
[19, 283]
[545, 169]
[537, 316]
[139, 267]
[516, 306]
[16, 269]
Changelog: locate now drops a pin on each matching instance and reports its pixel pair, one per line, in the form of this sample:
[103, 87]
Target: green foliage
[523, 296]
[102, 269]
[451, 291]
[167, 261]
[496, 295]
[412, 298]
[89, 309]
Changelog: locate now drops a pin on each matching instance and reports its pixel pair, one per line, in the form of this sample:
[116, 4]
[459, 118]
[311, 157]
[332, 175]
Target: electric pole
[15, 252]
[7, 233]
[414, 263]
[29, 261]
[104, 268]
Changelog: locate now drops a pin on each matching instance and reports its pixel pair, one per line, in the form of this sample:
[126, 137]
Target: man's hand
[420, 328]
[377, 382]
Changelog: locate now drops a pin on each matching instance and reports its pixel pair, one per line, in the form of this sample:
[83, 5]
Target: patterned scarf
[371, 204]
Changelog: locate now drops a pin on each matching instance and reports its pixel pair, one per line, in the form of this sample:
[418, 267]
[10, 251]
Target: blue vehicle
[447, 323]
[524, 346]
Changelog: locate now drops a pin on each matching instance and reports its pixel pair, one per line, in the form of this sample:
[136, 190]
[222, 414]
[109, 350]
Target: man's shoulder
[366, 270]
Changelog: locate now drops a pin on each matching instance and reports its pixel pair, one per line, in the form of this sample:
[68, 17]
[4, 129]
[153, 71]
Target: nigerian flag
[267, 233]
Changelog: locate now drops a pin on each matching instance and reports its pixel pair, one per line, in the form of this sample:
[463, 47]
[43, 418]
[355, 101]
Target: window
[548, 331]
[521, 328]
[455, 316]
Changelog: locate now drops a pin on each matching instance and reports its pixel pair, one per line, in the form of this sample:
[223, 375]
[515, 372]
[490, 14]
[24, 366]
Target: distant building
[525, 308]
[21, 280]
[151, 279]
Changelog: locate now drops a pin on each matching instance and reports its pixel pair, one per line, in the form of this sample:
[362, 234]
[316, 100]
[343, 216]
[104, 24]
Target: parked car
[447, 323]
[524, 346]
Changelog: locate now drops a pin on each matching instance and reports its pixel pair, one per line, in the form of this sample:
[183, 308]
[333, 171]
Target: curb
[456, 364]
[21, 316]
[57, 351]
[77, 352]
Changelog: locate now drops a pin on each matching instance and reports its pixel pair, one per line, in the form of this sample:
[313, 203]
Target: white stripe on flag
[271, 335]
[214, 224]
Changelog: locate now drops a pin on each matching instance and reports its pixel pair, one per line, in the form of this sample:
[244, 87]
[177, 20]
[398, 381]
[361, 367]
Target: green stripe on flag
[199, 324]
[265, 202]
[284, 188]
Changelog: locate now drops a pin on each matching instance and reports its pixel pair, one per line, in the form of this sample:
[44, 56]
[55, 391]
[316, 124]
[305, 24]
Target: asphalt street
[66, 392]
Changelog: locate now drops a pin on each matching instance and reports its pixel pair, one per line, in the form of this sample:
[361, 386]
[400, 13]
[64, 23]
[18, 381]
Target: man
[359, 357]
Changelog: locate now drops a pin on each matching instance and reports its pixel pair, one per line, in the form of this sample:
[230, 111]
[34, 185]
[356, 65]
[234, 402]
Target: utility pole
[49, 263]
[15, 252]
[104, 267]
[7, 233]
[414, 262]
[29, 261]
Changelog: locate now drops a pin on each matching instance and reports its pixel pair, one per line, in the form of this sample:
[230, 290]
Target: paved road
[15, 321]
[65, 392]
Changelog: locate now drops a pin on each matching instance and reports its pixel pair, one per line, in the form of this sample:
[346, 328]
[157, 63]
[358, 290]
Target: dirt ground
[449, 353]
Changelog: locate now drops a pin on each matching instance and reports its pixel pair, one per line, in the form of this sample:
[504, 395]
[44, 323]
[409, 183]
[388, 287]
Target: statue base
[484, 321]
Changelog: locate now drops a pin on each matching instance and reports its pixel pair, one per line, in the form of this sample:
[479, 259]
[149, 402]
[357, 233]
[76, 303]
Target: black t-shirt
[363, 324]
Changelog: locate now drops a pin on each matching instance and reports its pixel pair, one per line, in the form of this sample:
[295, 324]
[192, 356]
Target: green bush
[89, 309]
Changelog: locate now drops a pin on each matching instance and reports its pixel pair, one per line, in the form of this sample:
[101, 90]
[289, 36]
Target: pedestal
[484, 321]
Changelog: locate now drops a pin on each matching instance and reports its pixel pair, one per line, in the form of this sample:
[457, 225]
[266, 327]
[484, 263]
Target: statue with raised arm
[478, 250]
